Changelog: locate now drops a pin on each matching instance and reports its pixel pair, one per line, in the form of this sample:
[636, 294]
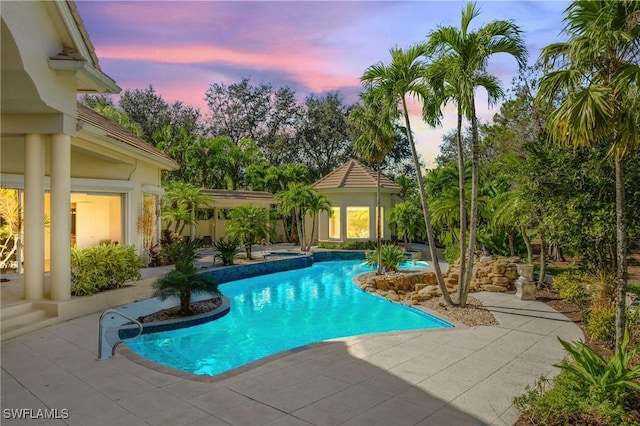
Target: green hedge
[104, 267]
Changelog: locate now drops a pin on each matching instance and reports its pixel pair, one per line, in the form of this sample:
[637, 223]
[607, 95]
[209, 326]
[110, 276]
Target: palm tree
[250, 225]
[293, 202]
[317, 203]
[407, 219]
[462, 58]
[179, 205]
[376, 140]
[597, 76]
[403, 77]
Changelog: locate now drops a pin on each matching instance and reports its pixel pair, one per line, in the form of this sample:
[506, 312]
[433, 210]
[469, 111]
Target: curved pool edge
[420, 308]
[133, 356]
[130, 330]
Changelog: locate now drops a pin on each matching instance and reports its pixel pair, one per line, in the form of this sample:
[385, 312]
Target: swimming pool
[281, 311]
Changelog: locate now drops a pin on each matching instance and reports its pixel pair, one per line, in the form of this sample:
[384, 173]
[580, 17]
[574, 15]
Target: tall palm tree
[376, 140]
[317, 203]
[296, 201]
[597, 77]
[462, 59]
[393, 83]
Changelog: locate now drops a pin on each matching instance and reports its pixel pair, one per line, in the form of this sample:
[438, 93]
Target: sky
[181, 48]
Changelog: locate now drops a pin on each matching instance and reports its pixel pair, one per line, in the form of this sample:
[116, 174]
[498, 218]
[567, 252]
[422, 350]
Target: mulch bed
[173, 313]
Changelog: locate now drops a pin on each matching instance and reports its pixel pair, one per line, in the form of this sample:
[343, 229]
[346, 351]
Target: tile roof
[227, 194]
[354, 174]
[120, 134]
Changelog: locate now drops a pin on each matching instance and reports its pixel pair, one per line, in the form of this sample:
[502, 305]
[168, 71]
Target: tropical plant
[408, 221]
[597, 74]
[227, 249]
[11, 225]
[612, 378]
[377, 137]
[103, 267]
[184, 281]
[392, 83]
[179, 205]
[387, 258]
[317, 203]
[250, 225]
[461, 63]
[147, 221]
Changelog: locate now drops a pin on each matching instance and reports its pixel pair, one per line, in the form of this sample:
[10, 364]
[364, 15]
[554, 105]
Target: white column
[60, 217]
[34, 217]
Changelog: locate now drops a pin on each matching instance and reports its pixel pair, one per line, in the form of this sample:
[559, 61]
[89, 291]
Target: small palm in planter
[228, 250]
[184, 281]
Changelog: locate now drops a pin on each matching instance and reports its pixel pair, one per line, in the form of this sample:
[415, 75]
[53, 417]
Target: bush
[572, 286]
[348, 245]
[601, 322]
[184, 281]
[228, 250]
[390, 257]
[578, 395]
[104, 267]
[452, 253]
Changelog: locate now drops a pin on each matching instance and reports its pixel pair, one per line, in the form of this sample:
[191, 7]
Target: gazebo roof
[354, 175]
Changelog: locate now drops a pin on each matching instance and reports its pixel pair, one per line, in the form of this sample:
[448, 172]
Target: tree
[295, 202]
[250, 225]
[403, 77]
[184, 281]
[376, 140]
[322, 135]
[597, 71]
[462, 58]
[407, 219]
[317, 203]
[179, 205]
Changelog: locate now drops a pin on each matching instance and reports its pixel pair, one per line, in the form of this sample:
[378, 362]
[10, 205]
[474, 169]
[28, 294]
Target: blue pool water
[276, 312]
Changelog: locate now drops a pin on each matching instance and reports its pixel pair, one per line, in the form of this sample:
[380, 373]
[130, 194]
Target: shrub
[184, 281]
[228, 250]
[390, 257]
[348, 245]
[601, 322]
[572, 286]
[103, 267]
[452, 253]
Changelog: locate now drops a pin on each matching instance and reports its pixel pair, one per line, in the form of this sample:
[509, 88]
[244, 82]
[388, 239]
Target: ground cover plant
[389, 257]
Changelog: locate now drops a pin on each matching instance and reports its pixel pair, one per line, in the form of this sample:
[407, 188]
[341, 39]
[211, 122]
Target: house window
[334, 223]
[357, 222]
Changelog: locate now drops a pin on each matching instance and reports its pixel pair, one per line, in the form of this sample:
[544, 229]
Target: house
[352, 188]
[61, 161]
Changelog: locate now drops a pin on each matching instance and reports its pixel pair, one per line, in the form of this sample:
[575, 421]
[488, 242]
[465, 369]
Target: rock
[495, 288]
[394, 297]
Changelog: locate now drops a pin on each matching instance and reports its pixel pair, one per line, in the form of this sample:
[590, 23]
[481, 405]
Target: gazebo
[351, 188]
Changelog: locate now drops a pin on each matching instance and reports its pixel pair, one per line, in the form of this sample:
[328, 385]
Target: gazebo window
[334, 223]
[358, 222]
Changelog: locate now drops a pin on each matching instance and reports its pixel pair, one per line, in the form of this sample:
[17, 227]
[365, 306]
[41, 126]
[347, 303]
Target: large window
[357, 222]
[96, 219]
[334, 223]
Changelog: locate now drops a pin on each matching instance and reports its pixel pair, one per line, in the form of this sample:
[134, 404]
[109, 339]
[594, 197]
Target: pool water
[276, 312]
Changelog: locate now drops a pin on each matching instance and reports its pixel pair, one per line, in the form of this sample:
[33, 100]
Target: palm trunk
[463, 208]
[512, 251]
[313, 231]
[425, 210]
[378, 227]
[475, 181]
[621, 250]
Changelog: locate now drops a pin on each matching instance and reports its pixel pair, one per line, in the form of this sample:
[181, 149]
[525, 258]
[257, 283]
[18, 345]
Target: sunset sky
[313, 47]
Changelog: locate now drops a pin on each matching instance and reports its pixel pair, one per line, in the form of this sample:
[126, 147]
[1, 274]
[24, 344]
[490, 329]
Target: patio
[461, 376]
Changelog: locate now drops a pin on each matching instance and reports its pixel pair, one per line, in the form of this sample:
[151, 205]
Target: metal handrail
[115, 345]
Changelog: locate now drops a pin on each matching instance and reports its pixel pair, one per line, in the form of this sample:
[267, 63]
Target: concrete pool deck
[459, 376]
